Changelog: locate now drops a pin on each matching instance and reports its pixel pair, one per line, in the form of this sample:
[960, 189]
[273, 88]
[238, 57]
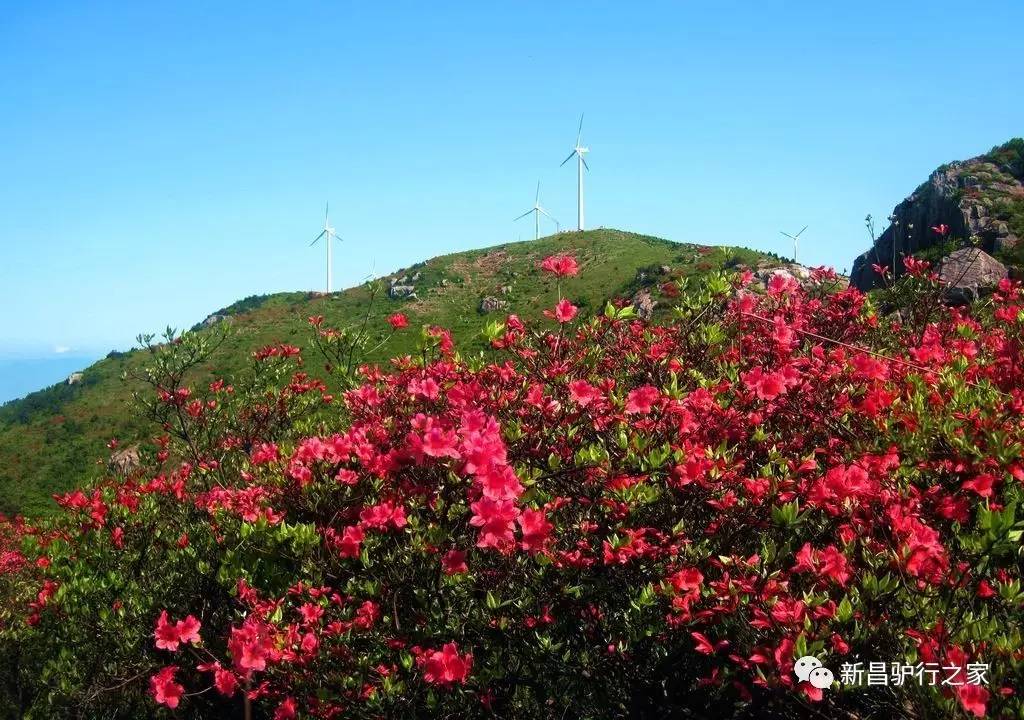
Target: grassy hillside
[54, 439]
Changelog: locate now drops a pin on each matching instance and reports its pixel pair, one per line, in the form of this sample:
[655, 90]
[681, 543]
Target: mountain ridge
[54, 439]
[978, 202]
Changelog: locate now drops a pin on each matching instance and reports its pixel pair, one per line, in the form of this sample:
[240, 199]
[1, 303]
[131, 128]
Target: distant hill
[55, 439]
[20, 376]
[981, 204]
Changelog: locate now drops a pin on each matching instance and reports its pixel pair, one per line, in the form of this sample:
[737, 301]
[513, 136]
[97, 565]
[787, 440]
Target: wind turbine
[794, 238]
[328, 234]
[579, 151]
[537, 210]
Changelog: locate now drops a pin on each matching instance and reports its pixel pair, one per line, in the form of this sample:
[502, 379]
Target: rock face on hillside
[492, 304]
[124, 461]
[644, 304]
[977, 202]
[967, 272]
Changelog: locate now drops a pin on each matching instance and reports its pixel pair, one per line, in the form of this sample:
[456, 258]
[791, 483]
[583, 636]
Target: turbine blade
[537, 199]
[786, 234]
[568, 158]
[579, 133]
[322, 233]
[584, 162]
[523, 215]
[550, 216]
[801, 232]
[337, 237]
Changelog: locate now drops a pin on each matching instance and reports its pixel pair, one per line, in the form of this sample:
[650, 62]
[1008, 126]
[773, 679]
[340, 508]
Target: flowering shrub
[605, 518]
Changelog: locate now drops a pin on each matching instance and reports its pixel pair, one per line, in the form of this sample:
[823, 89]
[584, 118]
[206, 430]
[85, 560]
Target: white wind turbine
[579, 151]
[328, 234]
[795, 239]
[537, 211]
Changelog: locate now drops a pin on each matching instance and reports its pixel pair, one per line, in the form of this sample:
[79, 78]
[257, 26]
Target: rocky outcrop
[967, 273]
[490, 304]
[124, 461]
[977, 202]
[644, 304]
[764, 271]
[75, 378]
[402, 291]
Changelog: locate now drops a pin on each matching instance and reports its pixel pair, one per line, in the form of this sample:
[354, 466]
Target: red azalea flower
[499, 482]
[286, 710]
[310, 612]
[188, 630]
[495, 519]
[350, 544]
[560, 265]
[446, 667]
[583, 393]
[705, 646]
[915, 267]
[398, 321]
[981, 484]
[641, 400]
[166, 633]
[765, 386]
[439, 442]
[564, 311]
[536, 530]
[454, 562]
[225, 682]
[164, 689]
[973, 698]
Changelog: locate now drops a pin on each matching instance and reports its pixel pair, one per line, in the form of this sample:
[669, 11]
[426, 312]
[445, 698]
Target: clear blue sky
[159, 163]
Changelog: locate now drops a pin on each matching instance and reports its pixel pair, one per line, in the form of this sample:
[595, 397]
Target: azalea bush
[597, 518]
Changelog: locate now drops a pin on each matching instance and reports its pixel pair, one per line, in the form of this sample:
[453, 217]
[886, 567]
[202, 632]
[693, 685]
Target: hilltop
[55, 439]
[971, 208]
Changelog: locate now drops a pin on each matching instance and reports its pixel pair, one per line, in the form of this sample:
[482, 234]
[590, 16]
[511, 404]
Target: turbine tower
[327, 234]
[579, 151]
[795, 239]
[537, 210]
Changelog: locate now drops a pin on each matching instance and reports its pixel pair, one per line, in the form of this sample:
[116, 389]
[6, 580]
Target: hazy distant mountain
[21, 376]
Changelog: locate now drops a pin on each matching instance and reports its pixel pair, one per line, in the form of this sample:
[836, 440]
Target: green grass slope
[55, 439]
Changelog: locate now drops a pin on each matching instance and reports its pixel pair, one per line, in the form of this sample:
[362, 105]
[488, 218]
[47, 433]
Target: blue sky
[160, 163]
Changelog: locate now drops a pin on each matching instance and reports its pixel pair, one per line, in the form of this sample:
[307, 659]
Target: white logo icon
[809, 669]
[804, 665]
[820, 678]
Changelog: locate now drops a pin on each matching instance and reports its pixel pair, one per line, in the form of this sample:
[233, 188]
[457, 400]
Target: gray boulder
[966, 273]
[124, 461]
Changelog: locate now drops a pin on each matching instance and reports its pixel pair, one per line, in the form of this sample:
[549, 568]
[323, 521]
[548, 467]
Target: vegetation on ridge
[53, 439]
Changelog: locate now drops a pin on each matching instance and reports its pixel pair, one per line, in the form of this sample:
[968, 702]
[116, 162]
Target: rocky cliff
[977, 202]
